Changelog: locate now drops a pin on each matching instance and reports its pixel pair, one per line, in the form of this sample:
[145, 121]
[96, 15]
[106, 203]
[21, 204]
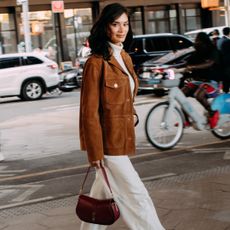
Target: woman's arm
[89, 110]
[205, 65]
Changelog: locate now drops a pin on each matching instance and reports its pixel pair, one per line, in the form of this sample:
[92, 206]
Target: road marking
[69, 108]
[43, 173]
[3, 167]
[227, 155]
[13, 171]
[6, 192]
[190, 148]
[26, 202]
[210, 150]
[9, 173]
[19, 186]
[32, 189]
[6, 175]
[158, 176]
[59, 106]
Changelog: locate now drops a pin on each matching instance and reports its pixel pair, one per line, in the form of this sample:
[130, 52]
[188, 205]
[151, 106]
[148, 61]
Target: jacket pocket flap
[114, 83]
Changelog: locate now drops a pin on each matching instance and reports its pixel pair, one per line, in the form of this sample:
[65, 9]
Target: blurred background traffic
[164, 35]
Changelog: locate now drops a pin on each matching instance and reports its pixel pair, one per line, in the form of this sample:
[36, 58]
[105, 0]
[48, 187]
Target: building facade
[64, 33]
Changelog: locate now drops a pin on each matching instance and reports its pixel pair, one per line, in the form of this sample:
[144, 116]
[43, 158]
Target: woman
[204, 66]
[107, 119]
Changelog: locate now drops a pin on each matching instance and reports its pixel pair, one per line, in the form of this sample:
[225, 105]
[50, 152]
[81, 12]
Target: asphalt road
[43, 160]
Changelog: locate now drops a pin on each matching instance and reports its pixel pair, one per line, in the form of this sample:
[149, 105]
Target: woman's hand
[189, 69]
[96, 164]
[136, 119]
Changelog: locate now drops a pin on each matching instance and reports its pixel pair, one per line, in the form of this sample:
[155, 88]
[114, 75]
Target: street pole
[26, 24]
[227, 16]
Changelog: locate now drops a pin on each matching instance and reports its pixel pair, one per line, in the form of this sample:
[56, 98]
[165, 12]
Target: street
[43, 160]
[49, 127]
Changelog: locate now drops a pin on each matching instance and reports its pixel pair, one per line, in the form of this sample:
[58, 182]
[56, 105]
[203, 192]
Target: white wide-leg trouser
[136, 207]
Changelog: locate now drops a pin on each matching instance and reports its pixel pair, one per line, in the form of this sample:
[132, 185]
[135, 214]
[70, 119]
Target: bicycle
[165, 122]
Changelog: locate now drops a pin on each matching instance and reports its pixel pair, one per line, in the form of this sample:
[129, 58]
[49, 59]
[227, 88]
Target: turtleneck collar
[116, 48]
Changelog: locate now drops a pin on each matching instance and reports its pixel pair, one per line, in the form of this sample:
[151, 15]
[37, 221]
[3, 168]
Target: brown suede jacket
[106, 108]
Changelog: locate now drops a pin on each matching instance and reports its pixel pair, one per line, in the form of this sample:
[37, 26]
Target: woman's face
[118, 29]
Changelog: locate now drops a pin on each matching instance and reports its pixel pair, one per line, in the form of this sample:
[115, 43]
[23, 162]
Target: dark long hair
[98, 39]
[203, 44]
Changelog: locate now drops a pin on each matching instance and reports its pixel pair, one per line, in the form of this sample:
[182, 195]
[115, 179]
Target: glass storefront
[7, 34]
[173, 21]
[162, 19]
[136, 20]
[66, 33]
[42, 32]
[191, 19]
[42, 29]
[158, 21]
[78, 23]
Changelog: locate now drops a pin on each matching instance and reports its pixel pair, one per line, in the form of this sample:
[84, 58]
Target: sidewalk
[194, 201]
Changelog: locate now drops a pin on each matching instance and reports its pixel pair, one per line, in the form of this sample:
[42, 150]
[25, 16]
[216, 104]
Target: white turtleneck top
[117, 54]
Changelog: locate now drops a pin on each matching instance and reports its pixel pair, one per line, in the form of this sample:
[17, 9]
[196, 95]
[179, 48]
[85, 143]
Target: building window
[173, 21]
[136, 20]
[191, 19]
[78, 23]
[42, 32]
[7, 34]
[157, 20]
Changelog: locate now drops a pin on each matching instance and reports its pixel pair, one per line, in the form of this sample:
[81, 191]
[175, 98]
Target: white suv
[27, 75]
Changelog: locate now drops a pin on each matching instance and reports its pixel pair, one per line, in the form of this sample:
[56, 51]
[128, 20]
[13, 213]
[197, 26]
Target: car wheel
[79, 81]
[32, 90]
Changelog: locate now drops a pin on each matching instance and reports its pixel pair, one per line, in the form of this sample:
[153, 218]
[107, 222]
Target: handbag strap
[104, 175]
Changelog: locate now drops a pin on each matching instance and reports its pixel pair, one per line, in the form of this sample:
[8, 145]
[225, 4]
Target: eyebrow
[120, 22]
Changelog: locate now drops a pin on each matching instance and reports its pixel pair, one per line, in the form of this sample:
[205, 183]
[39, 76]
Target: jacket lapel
[115, 63]
[127, 61]
[129, 66]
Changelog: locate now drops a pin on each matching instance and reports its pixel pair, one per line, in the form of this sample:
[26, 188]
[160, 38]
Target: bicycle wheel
[223, 131]
[160, 133]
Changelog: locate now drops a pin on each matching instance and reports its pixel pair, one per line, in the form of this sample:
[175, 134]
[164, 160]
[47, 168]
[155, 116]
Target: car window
[157, 44]
[183, 58]
[136, 46]
[9, 62]
[175, 56]
[180, 43]
[30, 60]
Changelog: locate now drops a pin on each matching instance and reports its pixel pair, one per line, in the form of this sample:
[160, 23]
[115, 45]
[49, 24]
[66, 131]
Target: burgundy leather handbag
[96, 211]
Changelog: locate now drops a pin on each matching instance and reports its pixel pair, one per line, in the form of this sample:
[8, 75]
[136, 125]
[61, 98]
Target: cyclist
[204, 67]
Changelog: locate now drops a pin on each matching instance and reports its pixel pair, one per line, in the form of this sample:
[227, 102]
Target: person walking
[226, 36]
[215, 36]
[225, 51]
[108, 117]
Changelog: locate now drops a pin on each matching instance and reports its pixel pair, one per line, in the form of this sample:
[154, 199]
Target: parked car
[148, 46]
[145, 47]
[149, 80]
[70, 79]
[27, 75]
[192, 34]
